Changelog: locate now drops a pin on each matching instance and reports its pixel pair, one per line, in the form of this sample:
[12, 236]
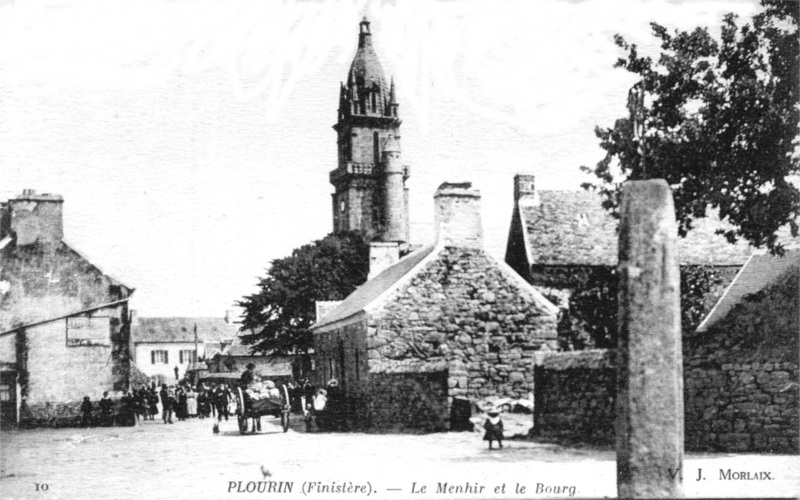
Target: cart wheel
[242, 424]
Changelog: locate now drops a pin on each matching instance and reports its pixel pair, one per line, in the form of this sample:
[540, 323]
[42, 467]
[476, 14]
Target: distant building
[235, 358]
[64, 325]
[163, 344]
[431, 334]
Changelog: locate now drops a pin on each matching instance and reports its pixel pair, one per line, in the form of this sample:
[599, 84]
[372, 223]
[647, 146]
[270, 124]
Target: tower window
[374, 103]
[376, 148]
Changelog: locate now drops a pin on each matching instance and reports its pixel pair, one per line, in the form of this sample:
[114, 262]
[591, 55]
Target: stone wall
[741, 376]
[461, 309]
[44, 283]
[54, 372]
[408, 401]
[574, 395]
[63, 414]
[740, 382]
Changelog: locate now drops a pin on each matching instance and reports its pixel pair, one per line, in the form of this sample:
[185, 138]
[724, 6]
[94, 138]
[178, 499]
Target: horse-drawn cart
[248, 408]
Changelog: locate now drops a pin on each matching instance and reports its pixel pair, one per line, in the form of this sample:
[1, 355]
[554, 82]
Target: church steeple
[367, 119]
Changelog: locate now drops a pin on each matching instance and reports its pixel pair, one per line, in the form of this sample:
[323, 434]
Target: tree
[279, 315]
[719, 121]
[590, 321]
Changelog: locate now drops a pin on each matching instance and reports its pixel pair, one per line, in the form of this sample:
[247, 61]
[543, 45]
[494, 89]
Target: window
[5, 392]
[376, 148]
[159, 357]
[187, 356]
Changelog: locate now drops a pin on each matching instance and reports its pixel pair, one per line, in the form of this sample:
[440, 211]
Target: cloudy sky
[192, 140]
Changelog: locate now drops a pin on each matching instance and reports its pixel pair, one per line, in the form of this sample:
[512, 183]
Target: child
[494, 428]
[86, 410]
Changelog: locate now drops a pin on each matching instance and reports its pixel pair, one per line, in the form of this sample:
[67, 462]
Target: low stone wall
[738, 407]
[740, 387]
[574, 394]
[67, 414]
[408, 402]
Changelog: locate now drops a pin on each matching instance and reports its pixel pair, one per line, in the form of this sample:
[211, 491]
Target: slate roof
[760, 271]
[237, 348]
[182, 329]
[372, 289]
[572, 228]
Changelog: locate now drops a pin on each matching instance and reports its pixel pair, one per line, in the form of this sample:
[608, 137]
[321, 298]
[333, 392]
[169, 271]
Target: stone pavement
[185, 460]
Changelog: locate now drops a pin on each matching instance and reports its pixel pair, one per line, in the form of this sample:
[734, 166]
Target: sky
[192, 140]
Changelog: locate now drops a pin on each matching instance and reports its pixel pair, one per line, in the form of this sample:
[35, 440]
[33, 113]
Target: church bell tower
[369, 181]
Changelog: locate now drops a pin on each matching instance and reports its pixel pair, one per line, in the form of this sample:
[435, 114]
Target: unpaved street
[185, 460]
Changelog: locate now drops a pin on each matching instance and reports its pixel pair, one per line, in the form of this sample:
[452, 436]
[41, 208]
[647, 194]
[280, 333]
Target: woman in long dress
[191, 402]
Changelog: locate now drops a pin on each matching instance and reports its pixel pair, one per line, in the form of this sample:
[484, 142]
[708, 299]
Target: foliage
[720, 124]
[590, 322]
[279, 315]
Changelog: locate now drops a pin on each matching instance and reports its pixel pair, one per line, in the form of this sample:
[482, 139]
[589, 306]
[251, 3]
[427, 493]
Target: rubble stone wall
[461, 310]
[740, 382]
[741, 376]
[408, 401]
[574, 397]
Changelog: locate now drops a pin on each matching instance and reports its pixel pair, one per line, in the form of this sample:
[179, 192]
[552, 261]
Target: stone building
[369, 181]
[564, 242]
[162, 345]
[64, 323]
[740, 372]
[445, 326]
[741, 366]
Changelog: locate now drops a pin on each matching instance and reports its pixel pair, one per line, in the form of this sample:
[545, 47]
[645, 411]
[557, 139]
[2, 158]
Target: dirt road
[186, 460]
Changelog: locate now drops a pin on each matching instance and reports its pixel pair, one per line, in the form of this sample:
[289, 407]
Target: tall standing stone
[649, 424]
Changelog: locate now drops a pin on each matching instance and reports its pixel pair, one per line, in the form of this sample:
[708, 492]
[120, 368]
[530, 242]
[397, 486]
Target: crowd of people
[182, 401]
[179, 401]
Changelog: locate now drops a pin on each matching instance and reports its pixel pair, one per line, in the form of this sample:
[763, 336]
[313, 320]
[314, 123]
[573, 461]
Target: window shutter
[166, 357]
[152, 357]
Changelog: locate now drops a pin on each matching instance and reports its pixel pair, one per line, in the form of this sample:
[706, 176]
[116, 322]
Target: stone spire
[366, 67]
[369, 179]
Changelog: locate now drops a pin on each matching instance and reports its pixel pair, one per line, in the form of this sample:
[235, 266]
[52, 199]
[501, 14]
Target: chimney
[524, 187]
[394, 195]
[382, 255]
[458, 215]
[36, 217]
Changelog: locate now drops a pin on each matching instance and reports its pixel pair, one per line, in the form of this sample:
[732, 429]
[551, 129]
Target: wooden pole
[649, 422]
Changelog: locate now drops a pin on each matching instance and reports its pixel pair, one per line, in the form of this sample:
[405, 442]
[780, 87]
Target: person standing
[106, 410]
[166, 404]
[191, 402]
[152, 403]
[494, 428]
[221, 402]
[86, 412]
[180, 412]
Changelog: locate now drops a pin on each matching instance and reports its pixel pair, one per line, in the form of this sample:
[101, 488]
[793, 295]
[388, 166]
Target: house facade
[64, 323]
[166, 348]
[443, 328]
